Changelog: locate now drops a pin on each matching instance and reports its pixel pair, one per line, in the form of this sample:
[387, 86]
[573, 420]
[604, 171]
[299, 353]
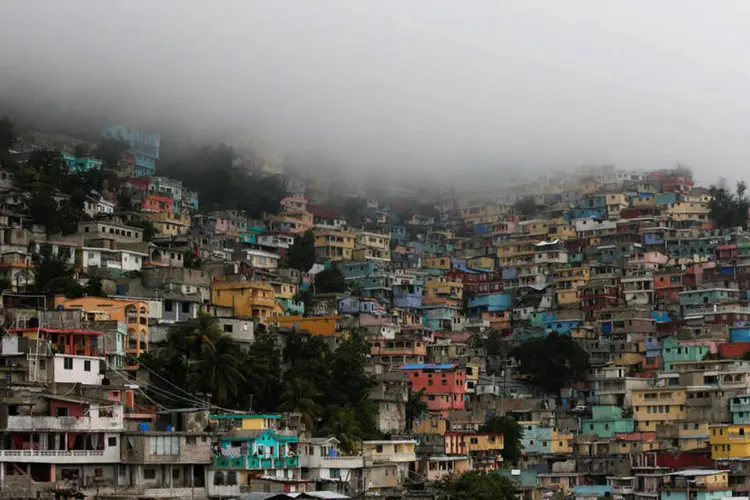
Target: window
[164, 445]
[149, 473]
[87, 365]
[168, 305]
[98, 472]
[379, 448]
[186, 307]
[112, 441]
[334, 473]
[474, 441]
[67, 363]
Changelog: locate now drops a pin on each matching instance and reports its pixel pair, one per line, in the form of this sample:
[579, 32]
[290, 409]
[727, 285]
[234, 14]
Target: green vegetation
[525, 206]
[301, 254]
[330, 281]
[728, 210]
[512, 434]
[221, 184]
[56, 197]
[7, 137]
[53, 274]
[330, 389]
[477, 485]
[552, 362]
[110, 151]
[415, 408]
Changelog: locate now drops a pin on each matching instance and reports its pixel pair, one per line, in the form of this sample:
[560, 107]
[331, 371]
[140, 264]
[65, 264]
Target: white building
[123, 260]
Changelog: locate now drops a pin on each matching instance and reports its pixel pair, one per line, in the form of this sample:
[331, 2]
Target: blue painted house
[407, 296]
[253, 443]
[563, 327]
[360, 268]
[492, 302]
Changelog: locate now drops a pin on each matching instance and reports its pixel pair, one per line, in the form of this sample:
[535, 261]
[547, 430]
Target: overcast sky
[433, 84]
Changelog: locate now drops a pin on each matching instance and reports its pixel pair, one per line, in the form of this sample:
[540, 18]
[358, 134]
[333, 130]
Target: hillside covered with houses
[218, 324]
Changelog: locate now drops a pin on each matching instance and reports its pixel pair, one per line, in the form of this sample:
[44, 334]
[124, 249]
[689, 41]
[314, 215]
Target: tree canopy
[477, 485]
[224, 184]
[330, 281]
[525, 206]
[727, 209]
[301, 254]
[512, 434]
[552, 362]
[329, 389]
[110, 150]
[7, 135]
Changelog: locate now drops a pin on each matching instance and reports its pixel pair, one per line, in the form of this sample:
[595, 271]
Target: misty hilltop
[434, 86]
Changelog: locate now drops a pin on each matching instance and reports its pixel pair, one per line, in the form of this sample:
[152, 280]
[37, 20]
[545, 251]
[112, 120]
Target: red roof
[56, 330]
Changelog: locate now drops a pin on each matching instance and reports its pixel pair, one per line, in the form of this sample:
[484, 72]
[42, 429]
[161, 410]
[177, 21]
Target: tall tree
[54, 274]
[512, 435]
[728, 210]
[330, 281]
[262, 372]
[110, 151]
[301, 254]
[220, 371]
[300, 396]
[8, 137]
[552, 362]
[223, 183]
[525, 206]
[415, 408]
[477, 485]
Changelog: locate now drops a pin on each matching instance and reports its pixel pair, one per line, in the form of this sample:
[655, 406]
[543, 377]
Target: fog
[423, 85]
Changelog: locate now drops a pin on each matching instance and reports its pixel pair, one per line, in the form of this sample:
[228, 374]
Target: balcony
[739, 407]
[71, 424]
[254, 462]
[623, 490]
[110, 455]
[389, 458]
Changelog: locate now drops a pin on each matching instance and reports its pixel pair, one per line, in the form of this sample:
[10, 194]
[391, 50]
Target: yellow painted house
[442, 263]
[248, 299]
[328, 326]
[334, 245]
[730, 441]
[568, 282]
[132, 312]
[169, 223]
[561, 230]
[693, 435]
[561, 442]
[446, 288]
[431, 424]
[516, 251]
[655, 406]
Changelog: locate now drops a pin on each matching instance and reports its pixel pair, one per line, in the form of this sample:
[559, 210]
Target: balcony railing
[29, 423]
[253, 462]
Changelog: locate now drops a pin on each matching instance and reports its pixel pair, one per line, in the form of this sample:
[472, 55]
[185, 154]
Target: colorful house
[248, 299]
[253, 445]
[134, 313]
[444, 385]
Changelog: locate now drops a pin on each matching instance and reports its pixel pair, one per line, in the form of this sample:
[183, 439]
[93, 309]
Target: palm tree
[345, 426]
[415, 408]
[220, 370]
[197, 334]
[299, 397]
